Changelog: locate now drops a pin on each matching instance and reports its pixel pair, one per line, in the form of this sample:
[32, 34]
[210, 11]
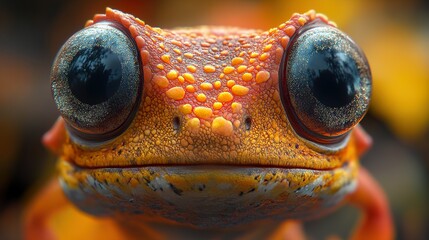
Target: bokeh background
[393, 33]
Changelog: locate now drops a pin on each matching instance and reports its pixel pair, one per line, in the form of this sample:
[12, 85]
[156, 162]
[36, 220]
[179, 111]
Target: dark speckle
[296, 146]
[251, 190]
[176, 190]
[248, 123]
[176, 123]
[241, 194]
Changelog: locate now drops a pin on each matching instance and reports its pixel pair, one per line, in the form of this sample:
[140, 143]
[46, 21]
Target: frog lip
[209, 165]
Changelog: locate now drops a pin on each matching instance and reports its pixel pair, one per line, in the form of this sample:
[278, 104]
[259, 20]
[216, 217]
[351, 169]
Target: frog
[207, 133]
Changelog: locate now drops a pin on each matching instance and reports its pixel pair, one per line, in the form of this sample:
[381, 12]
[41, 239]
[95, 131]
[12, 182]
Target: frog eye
[96, 82]
[325, 82]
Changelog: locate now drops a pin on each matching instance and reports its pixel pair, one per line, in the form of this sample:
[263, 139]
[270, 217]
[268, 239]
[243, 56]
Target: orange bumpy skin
[210, 135]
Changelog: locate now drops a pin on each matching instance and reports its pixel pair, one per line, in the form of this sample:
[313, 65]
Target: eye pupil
[334, 77]
[94, 75]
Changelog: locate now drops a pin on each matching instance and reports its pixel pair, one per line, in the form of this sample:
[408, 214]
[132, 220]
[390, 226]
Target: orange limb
[50, 200]
[289, 230]
[376, 222]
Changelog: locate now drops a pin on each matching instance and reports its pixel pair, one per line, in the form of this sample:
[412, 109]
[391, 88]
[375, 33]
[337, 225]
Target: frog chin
[207, 196]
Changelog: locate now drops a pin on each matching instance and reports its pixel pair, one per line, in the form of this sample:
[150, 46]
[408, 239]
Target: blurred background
[393, 33]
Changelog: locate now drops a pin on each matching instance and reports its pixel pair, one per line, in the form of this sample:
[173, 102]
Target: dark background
[393, 34]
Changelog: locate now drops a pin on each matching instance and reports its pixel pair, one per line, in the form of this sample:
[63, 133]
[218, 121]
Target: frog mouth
[197, 194]
[99, 160]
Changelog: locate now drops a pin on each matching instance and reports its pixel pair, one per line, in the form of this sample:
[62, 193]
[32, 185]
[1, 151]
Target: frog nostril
[248, 122]
[176, 123]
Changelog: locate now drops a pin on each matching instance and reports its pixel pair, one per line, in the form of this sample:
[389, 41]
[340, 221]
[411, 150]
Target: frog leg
[376, 222]
[290, 229]
[49, 201]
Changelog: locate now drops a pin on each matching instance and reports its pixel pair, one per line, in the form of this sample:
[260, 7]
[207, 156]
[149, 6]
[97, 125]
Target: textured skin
[188, 74]
[210, 146]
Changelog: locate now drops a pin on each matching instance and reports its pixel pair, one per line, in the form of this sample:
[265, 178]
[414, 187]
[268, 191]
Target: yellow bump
[165, 58]
[222, 75]
[203, 112]
[179, 59]
[191, 68]
[172, 74]
[140, 42]
[237, 61]
[189, 55]
[222, 126]
[184, 143]
[161, 81]
[217, 84]
[267, 47]
[185, 108]
[252, 60]
[181, 79]
[290, 31]
[230, 83]
[237, 123]
[284, 41]
[254, 54]
[209, 68]
[144, 56]
[160, 66]
[302, 21]
[241, 68]
[206, 86]
[189, 77]
[262, 76]
[236, 107]
[311, 14]
[247, 77]
[176, 93]
[217, 105]
[177, 43]
[177, 51]
[228, 70]
[264, 56]
[193, 124]
[225, 97]
[190, 88]
[239, 90]
[201, 97]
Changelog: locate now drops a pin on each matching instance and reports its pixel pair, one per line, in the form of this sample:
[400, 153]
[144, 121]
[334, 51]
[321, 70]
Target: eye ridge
[95, 75]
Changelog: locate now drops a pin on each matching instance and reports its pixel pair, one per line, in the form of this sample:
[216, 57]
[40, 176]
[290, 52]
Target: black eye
[94, 75]
[96, 82]
[325, 83]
